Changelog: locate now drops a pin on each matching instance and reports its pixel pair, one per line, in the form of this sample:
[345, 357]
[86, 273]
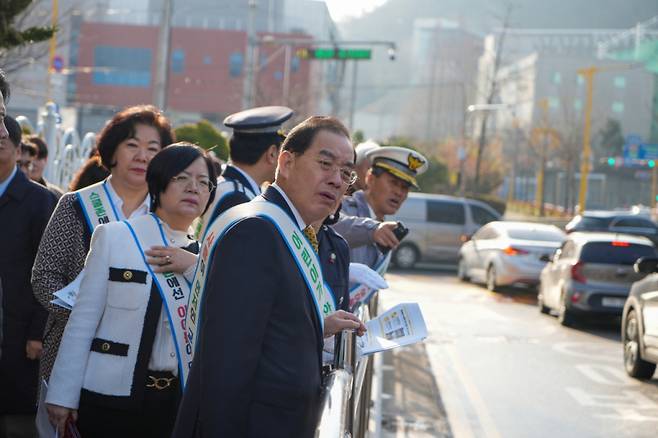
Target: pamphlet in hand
[399, 326]
[66, 296]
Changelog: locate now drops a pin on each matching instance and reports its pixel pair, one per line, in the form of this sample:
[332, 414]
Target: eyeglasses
[204, 183]
[347, 174]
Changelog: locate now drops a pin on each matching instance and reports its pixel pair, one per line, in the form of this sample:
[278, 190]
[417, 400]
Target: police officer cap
[363, 148]
[400, 162]
[264, 119]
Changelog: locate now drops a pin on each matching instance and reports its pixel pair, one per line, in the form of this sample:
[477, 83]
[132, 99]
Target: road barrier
[346, 398]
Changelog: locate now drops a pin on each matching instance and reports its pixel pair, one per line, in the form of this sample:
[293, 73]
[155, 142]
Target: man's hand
[57, 415]
[33, 349]
[342, 320]
[384, 235]
[169, 259]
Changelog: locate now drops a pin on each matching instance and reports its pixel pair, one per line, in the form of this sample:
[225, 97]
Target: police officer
[254, 148]
[362, 222]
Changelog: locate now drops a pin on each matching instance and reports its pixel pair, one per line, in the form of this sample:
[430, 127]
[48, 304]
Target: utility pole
[249, 77]
[588, 75]
[162, 66]
[355, 64]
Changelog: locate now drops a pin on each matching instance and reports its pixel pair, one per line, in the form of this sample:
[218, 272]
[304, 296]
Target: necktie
[309, 232]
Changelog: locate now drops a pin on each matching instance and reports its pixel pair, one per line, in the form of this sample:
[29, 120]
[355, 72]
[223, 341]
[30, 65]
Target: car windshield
[589, 222]
[535, 234]
[616, 253]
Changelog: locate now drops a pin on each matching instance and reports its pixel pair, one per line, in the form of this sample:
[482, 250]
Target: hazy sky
[343, 9]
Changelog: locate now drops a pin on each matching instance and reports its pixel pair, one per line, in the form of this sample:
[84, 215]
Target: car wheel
[405, 257]
[540, 302]
[565, 316]
[634, 364]
[461, 270]
[491, 279]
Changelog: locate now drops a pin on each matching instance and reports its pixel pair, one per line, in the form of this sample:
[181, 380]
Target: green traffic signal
[651, 164]
[611, 161]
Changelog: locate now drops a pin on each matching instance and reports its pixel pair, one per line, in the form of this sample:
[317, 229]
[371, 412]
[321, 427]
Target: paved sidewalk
[412, 405]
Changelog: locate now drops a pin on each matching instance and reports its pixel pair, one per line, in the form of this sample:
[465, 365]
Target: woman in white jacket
[124, 355]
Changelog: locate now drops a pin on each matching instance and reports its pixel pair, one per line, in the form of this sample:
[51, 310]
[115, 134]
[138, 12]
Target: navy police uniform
[234, 186]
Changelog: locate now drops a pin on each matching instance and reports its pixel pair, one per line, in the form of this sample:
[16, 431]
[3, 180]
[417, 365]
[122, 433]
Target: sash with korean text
[97, 205]
[300, 249]
[173, 288]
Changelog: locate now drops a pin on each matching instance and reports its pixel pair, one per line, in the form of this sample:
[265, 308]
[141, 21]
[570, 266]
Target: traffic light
[333, 53]
[611, 161]
[651, 164]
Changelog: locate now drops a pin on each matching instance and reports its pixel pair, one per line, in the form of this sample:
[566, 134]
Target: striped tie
[309, 232]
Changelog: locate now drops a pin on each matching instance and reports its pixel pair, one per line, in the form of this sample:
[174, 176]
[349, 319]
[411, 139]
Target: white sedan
[507, 253]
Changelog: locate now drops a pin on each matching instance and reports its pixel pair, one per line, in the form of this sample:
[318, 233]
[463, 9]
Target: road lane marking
[629, 415]
[624, 400]
[484, 418]
[606, 375]
[587, 350]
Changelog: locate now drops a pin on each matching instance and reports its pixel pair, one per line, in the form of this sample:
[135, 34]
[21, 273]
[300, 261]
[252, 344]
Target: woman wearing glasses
[124, 355]
[126, 146]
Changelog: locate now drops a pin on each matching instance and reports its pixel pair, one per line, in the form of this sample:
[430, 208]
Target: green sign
[333, 53]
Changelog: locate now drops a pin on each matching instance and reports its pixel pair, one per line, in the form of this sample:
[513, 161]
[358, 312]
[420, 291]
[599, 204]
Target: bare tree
[490, 91]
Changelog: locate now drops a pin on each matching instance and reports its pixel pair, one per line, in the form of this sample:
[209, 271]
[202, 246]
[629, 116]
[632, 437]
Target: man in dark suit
[257, 369]
[25, 208]
[254, 148]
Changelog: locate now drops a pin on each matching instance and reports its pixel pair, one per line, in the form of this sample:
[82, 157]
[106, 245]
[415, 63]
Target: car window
[481, 215]
[633, 222]
[618, 253]
[412, 209]
[535, 234]
[486, 233]
[593, 223]
[445, 212]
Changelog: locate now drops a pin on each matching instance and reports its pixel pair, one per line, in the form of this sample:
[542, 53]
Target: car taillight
[577, 272]
[575, 297]
[617, 243]
[464, 238]
[510, 250]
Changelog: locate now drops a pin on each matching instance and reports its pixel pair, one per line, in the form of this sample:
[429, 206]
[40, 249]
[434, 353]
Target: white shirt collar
[252, 182]
[298, 217]
[118, 202]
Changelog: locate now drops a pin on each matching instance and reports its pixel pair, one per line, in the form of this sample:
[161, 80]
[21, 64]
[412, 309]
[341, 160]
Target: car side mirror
[646, 265]
[546, 258]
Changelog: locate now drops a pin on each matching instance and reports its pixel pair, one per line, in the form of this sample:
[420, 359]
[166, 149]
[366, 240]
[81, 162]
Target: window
[122, 66]
[577, 104]
[535, 234]
[557, 78]
[607, 253]
[207, 60]
[485, 233]
[445, 212]
[618, 107]
[620, 82]
[177, 61]
[633, 222]
[580, 80]
[481, 215]
[295, 63]
[235, 63]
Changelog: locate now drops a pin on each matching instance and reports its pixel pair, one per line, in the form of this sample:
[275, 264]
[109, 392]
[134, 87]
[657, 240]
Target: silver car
[508, 253]
[591, 273]
[438, 225]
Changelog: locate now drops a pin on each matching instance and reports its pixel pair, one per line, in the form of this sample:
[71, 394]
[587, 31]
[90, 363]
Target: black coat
[335, 260]
[25, 208]
[257, 369]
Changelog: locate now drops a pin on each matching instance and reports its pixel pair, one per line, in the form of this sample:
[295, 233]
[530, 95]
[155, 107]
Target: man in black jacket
[257, 368]
[25, 208]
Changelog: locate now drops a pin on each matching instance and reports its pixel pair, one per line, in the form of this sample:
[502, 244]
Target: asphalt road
[493, 366]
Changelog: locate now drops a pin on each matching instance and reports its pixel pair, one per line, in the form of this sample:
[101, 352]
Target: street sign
[58, 63]
[635, 149]
[323, 53]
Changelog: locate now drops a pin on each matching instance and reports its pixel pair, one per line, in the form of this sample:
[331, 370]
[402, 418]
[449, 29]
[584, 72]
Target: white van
[438, 225]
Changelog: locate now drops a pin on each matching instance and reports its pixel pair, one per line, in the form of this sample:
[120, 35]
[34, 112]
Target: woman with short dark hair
[126, 145]
[124, 355]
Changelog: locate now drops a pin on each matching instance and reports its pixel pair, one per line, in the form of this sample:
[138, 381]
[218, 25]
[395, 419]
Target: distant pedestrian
[39, 165]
